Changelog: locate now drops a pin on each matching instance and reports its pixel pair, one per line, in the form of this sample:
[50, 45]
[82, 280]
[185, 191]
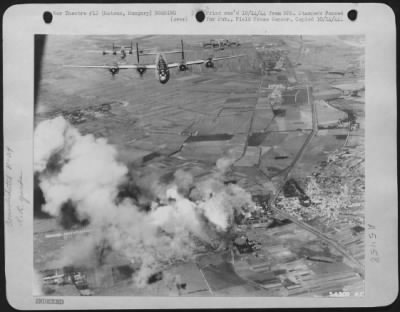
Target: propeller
[183, 67]
[210, 63]
[141, 71]
[114, 69]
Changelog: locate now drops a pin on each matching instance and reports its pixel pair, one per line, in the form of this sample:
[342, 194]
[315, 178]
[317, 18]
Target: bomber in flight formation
[123, 51]
[161, 66]
[220, 44]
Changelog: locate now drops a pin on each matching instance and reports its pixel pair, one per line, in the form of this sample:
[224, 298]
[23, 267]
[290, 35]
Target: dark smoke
[102, 250]
[68, 217]
[148, 216]
[38, 200]
[140, 195]
[155, 277]
[55, 163]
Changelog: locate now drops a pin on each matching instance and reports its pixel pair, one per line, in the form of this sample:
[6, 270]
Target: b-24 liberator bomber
[161, 66]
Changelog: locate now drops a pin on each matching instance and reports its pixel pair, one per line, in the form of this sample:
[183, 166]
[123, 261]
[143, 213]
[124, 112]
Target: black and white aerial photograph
[198, 165]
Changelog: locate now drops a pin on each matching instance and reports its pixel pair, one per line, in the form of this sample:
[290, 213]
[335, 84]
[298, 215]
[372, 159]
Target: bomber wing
[128, 66]
[135, 66]
[226, 57]
[161, 52]
[90, 66]
[173, 65]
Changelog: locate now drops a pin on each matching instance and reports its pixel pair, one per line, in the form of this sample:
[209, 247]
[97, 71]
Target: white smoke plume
[224, 163]
[275, 98]
[88, 175]
[83, 171]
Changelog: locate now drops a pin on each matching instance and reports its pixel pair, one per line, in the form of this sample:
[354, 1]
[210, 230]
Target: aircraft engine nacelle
[209, 64]
[141, 70]
[114, 70]
[183, 67]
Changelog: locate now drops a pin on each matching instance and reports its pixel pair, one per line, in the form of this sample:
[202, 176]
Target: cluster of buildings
[87, 279]
[81, 115]
[285, 260]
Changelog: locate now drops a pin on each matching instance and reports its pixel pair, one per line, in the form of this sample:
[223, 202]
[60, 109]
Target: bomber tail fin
[183, 53]
[137, 53]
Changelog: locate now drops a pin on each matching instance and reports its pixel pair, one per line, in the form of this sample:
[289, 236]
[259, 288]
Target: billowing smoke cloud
[85, 173]
[141, 218]
[275, 97]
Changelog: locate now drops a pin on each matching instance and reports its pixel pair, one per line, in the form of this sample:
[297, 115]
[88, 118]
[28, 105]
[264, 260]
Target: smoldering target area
[148, 218]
